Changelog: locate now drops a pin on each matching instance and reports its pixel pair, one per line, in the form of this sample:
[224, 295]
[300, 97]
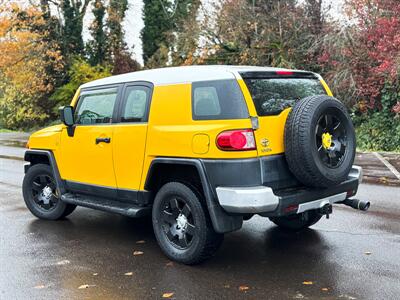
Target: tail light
[236, 140]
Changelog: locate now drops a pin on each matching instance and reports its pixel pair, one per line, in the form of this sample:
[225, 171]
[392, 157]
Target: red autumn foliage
[372, 55]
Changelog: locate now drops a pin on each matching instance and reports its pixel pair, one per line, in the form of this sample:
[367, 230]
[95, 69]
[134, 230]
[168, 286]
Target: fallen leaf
[307, 282]
[170, 264]
[141, 242]
[63, 262]
[85, 286]
[325, 289]
[128, 274]
[137, 253]
[39, 287]
[167, 295]
[243, 288]
[383, 179]
[367, 253]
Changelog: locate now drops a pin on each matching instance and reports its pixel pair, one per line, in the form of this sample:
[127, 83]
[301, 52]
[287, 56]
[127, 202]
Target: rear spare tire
[319, 141]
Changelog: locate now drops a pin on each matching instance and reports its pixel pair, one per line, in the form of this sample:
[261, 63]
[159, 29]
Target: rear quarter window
[218, 100]
[272, 95]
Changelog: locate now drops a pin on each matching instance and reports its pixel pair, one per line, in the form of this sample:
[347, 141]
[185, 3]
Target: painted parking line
[388, 165]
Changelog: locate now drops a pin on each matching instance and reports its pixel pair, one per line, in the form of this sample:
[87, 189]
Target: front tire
[182, 226]
[297, 222]
[40, 194]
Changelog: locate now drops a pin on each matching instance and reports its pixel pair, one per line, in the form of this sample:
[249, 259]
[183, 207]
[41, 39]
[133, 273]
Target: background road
[353, 255]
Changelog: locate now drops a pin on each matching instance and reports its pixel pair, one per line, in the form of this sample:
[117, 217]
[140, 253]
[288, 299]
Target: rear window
[218, 100]
[271, 96]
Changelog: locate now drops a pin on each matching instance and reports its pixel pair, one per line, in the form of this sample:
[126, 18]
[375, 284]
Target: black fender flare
[221, 221]
[32, 156]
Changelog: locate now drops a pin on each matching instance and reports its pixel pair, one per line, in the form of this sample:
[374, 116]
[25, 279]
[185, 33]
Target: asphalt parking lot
[95, 255]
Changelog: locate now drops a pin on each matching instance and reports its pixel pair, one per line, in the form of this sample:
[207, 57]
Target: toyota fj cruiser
[200, 149]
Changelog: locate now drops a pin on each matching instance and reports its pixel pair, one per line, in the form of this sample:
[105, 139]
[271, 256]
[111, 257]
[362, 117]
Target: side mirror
[67, 115]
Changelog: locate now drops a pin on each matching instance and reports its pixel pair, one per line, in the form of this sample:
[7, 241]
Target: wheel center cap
[326, 140]
[46, 194]
[181, 221]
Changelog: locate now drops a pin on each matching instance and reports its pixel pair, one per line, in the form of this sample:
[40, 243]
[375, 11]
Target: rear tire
[182, 225]
[40, 196]
[297, 222]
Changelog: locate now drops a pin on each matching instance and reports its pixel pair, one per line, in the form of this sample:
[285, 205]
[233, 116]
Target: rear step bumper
[267, 202]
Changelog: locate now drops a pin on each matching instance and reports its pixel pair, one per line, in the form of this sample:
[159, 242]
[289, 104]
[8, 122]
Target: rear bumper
[265, 201]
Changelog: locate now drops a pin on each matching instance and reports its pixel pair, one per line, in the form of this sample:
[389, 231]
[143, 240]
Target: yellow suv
[200, 149]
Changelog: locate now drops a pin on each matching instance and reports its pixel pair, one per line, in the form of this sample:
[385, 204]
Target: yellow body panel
[84, 161]
[171, 128]
[46, 138]
[129, 143]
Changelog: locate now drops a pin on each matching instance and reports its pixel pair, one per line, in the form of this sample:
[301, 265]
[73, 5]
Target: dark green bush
[379, 130]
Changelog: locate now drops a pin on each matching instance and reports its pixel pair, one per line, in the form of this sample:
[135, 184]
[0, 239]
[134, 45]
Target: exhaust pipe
[357, 204]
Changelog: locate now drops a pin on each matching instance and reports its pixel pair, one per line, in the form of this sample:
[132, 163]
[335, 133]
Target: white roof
[176, 75]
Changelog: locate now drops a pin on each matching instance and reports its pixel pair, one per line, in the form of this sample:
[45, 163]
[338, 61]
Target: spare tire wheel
[320, 141]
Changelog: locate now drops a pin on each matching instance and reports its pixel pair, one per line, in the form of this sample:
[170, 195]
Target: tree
[116, 14]
[121, 59]
[97, 47]
[270, 33]
[156, 25]
[29, 67]
[367, 54]
[73, 12]
[164, 37]
[315, 15]
[186, 32]
[79, 73]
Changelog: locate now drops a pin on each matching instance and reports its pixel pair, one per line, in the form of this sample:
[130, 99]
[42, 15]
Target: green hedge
[379, 130]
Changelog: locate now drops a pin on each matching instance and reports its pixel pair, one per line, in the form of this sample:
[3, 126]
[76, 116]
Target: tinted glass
[272, 96]
[218, 100]
[135, 105]
[96, 107]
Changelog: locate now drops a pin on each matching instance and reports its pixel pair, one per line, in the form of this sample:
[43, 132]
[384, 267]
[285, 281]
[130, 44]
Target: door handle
[103, 140]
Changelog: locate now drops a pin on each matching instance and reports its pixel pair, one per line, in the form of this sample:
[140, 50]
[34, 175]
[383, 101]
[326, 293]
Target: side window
[206, 102]
[96, 107]
[218, 100]
[135, 104]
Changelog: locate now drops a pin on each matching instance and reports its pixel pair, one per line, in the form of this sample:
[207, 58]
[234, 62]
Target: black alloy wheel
[40, 194]
[177, 222]
[182, 226]
[44, 192]
[331, 140]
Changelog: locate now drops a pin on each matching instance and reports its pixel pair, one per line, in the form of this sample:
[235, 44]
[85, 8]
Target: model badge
[264, 142]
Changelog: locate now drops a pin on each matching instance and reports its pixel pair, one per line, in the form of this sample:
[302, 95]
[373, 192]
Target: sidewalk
[379, 168]
[19, 138]
[12, 145]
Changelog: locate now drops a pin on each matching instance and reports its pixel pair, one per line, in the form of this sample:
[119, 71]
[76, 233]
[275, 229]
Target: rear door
[273, 94]
[130, 137]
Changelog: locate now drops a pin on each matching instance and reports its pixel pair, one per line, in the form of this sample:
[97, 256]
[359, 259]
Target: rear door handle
[103, 140]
